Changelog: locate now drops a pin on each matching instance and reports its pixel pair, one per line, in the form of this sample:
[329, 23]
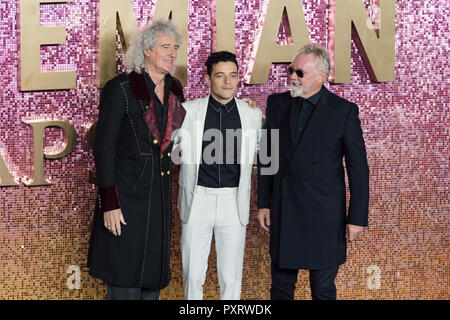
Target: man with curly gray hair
[139, 110]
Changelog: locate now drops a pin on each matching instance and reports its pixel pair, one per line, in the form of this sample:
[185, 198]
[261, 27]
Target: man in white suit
[217, 144]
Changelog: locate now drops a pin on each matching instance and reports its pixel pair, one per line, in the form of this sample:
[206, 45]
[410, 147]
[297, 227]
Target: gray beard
[296, 92]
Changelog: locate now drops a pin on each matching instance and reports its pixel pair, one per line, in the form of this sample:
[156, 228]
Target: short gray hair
[146, 39]
[321, 55]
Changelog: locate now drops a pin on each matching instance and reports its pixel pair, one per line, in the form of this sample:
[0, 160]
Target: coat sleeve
[357, 170]
[265, 181]
[111, 114]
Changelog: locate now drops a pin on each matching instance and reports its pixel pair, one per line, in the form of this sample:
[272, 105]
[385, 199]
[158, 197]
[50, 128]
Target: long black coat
[307, 195]
[133, 160]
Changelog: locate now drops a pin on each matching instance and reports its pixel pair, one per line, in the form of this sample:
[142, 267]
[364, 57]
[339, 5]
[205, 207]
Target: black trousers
[320, 281]
[124, 293]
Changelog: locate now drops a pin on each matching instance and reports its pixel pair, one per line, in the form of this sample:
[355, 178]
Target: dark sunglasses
[298, 72]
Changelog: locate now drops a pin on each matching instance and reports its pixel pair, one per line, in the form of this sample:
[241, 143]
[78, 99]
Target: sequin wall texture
[403, 254]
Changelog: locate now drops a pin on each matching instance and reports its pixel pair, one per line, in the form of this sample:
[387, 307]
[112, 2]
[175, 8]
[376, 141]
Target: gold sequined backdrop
[403, 254]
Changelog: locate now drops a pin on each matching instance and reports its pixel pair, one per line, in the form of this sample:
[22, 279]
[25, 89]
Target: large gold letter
[224, 29]
[177, 10]
[114, 15]
[32, 36]
[5, 176]
[375, 45]
[37, 175]
[265, 50]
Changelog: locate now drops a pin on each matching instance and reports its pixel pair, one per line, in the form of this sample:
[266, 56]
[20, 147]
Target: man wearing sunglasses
[303, 205]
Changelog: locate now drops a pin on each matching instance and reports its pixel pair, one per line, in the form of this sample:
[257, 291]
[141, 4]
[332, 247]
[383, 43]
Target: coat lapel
[151, 119]
[286, 133]
[312, 130]
[175, 117]
[138, 86]
[292, 141]
[175, 112]
[141, 92]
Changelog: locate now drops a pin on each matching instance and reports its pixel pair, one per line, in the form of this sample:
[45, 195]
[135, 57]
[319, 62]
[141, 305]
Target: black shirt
[302, 110]
[161, 108]
[219, 167]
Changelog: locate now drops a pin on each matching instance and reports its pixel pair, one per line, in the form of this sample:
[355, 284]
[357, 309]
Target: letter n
[376, 44]
[5, 177]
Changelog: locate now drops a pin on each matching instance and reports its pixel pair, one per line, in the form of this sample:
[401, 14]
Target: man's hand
[252, 104]
[112, 220]
[353, 232]
[263, 218]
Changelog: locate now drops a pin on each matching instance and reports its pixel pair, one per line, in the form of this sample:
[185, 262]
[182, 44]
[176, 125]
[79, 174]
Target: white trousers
[213, 210]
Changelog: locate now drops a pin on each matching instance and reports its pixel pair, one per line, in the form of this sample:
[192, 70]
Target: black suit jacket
[307, 195]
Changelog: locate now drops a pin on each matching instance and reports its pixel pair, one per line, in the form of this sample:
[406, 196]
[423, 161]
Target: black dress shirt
[161, 107]
[302, 110]
[220, 173]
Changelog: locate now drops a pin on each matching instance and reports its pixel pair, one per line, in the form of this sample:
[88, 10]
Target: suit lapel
[245, 125]
[199, 125]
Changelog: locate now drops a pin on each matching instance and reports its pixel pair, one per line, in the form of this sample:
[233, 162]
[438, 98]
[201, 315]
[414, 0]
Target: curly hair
[220, 56]
[146, 39]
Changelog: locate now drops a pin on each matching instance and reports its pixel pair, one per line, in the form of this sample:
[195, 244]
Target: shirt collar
[314, 99]
[216, 105]
[151, 85]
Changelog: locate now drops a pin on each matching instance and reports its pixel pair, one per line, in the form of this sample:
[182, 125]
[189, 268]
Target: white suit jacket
[188, 149]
